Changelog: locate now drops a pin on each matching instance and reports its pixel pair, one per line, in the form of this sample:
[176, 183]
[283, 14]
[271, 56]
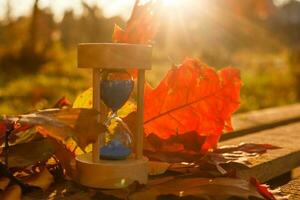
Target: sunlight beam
[172, 3]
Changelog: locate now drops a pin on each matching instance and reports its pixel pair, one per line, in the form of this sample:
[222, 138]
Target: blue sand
[115, 93]
[114, 151]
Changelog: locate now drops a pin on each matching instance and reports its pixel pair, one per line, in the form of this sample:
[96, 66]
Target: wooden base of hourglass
[108, 174]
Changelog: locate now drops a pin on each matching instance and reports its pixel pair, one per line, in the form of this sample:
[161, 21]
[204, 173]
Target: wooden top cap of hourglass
[114, 56]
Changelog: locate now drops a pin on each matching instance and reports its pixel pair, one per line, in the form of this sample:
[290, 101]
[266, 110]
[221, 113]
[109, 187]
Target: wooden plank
[274, 162]
[114, 56]
[292, 189]
[254, 121]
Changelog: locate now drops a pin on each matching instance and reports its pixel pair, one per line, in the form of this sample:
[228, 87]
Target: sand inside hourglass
[116, 145]
[116, 87]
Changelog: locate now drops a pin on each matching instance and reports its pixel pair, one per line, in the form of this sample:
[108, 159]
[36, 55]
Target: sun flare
[172, 3]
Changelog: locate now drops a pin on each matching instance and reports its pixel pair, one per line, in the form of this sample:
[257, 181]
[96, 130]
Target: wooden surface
[114, 56]
[274, 162]
[292, 189]
[285, 134]
[254, 121]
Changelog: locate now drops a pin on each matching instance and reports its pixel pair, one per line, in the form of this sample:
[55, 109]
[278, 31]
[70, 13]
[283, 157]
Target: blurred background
[38, 41]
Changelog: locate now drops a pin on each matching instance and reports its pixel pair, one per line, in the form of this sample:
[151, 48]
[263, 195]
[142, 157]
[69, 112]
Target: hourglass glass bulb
[116, 144]
[116, 89]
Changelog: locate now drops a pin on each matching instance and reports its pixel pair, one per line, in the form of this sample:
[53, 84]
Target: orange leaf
[62, 102]
[193, 97]
[142, 26]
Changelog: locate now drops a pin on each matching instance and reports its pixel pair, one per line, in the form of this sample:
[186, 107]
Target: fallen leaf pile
[220, 162]
[40, 180]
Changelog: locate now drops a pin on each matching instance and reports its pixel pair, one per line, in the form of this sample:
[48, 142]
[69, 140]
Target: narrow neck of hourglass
[113, 115]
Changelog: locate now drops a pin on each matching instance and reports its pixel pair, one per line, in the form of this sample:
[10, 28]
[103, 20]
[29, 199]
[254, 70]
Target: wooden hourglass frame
[110, 174]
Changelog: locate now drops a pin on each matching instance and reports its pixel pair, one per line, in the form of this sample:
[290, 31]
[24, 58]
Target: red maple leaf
[193, 98]
[262, 189]
[2, 129]
[142, 25]
[62, 102]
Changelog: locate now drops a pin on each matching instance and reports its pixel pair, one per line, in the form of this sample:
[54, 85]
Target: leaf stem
[8, 132]
[177, 108]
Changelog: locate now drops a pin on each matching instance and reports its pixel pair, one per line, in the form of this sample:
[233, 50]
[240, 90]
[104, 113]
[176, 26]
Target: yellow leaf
[84, 100]
[129, 107]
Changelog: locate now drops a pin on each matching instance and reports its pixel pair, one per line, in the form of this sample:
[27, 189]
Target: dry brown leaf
[46, 119]
[87, 128]
[23, 155]
[221, 161]
[13, 192]
[62, 124]
[4, 181]
[41, 180]
[202, 188]
[65, 157]
[80, 124]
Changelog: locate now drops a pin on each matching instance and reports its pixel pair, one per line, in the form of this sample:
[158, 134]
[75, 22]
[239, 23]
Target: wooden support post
[140, 114]
[96, 106]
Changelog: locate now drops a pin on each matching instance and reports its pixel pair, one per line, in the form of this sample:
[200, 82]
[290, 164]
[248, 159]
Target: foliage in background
[38, 54]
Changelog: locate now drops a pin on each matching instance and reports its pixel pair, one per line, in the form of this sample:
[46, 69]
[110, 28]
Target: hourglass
[117, 158]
